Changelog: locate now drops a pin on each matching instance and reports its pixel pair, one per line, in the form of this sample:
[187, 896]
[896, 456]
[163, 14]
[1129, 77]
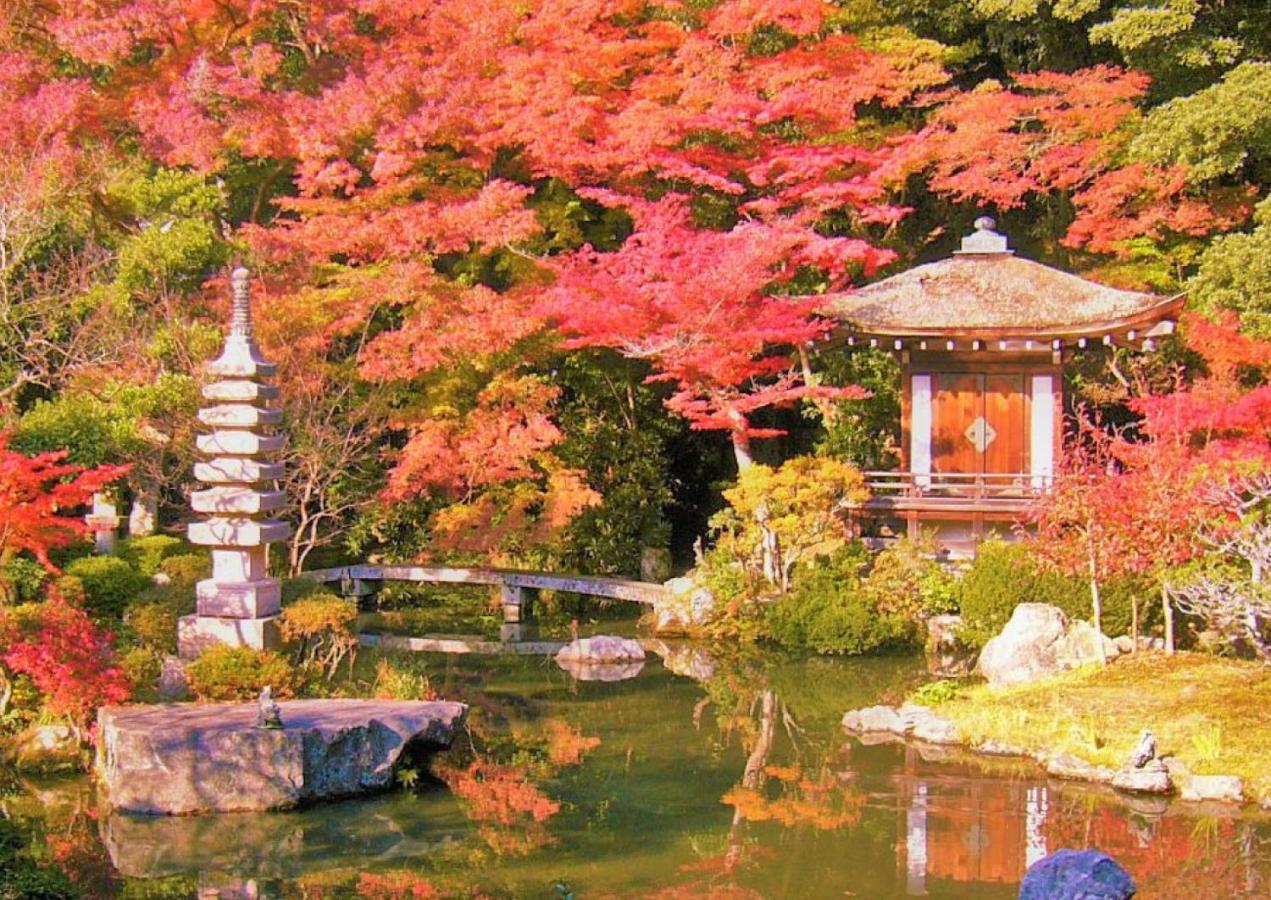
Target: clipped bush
[239, 673]
[25, 578]
[829, 612]
[187, 568]
[143, 667]
[147, 553]
[109, 584]
[323, 628]
[1005, 575]
[152, 616]
[906, 581]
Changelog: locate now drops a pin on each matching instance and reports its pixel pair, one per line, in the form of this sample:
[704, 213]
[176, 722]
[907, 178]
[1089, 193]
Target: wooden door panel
[1006, 410]
[958, 402]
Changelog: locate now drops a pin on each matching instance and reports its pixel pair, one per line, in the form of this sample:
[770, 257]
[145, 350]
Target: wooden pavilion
[982, 339]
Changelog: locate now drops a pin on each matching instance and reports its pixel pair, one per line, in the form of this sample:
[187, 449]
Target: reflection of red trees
[1172, 856]
[500, 794]
[395, 886]
[567, 744]
[821, 803]
[509, 807]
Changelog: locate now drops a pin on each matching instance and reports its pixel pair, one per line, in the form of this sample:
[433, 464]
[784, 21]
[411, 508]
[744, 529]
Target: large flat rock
[181, 758]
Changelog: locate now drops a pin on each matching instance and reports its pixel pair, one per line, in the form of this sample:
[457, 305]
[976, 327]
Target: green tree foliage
[1235, 275]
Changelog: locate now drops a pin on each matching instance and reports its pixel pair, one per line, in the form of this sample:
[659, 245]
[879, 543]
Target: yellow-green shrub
[239, 673]
[147, 553]
[323, 628]
[109, 583]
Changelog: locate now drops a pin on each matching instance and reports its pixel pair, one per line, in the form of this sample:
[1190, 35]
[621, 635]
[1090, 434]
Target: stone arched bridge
[517, 588]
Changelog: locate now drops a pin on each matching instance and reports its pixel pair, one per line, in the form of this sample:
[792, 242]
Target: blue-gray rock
[1077, 875]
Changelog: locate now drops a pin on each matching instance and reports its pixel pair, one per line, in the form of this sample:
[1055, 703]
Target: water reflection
[737, 783]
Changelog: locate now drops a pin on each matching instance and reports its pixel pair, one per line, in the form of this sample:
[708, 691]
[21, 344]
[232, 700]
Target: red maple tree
[36, 495]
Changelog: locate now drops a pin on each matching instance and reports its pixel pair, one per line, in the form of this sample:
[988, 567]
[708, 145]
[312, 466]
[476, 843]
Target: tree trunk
[1134, 622]
[752, 776]
[1168, 609]
[741, 440]
[1096, 603]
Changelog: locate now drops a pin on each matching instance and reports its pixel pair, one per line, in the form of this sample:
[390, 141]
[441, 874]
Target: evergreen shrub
[1005, 575]
[109, 584]
[828, 611]
[187, 568]
[239, 673]
[147, 553]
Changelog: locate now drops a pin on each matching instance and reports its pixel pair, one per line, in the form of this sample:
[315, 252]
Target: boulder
[686, 608]
[910, 720]
[1065, 765]
[1038, 642]
[874, 719]
[1077, 875]
[1124, 643]
[603, 648]
[922, 723]
[1225, 788]
[942, 633]
[178, 759]
[1148, 780]
[45, 749]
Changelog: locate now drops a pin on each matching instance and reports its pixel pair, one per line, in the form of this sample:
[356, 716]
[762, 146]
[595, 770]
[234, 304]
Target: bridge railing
[517, 587]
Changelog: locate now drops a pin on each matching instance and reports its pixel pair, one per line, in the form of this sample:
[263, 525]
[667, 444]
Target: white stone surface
[198, 633]
[239, 600]
[232, 500]
[235, 470]
[239, 443]
[239, 415]
[239, 391]
[218, 532]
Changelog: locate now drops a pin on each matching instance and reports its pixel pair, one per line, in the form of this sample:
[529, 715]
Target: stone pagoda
[239, 604]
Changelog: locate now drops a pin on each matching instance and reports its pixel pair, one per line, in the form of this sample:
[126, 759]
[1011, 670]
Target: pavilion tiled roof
[985, 291]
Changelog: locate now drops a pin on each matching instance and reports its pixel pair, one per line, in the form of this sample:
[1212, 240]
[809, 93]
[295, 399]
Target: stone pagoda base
[196, 634]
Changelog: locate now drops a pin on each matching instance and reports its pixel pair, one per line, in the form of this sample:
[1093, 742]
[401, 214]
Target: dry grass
[1215, 714]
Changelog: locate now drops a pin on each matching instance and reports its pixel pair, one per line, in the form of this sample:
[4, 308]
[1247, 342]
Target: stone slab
[239, 415]
[218, 532]
[181, 759]
[236, 470]
[244, 443]
[230, 501]
[196, 634]
[239, 390]
[239, 599]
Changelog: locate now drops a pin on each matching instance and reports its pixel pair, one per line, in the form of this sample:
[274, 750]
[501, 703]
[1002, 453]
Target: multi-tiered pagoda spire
[239, 604]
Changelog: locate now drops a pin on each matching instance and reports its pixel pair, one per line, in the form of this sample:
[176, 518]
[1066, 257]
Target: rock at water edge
[178, 759]
[1077, 875]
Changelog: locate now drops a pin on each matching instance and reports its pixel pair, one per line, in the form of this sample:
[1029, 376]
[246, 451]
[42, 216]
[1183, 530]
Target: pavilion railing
[958, 486]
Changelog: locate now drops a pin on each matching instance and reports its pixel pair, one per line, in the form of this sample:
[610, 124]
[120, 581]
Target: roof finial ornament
[241, 320]
[984, 241]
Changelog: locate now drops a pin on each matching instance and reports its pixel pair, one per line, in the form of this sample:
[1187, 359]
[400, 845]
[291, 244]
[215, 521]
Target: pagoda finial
[984, 241]
[241, 320]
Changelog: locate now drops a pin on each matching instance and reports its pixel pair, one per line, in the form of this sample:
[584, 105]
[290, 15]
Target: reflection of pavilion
[967, 828]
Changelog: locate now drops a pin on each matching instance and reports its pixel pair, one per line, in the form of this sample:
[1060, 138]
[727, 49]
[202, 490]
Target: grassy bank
[1214, 714]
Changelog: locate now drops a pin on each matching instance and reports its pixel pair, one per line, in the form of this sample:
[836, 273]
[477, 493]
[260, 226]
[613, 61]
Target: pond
[730, 780]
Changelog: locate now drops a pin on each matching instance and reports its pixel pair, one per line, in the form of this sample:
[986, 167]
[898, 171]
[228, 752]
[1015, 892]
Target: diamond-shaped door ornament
[980, 433]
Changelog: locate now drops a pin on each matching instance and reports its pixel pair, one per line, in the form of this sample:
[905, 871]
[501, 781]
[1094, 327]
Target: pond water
[732, 780]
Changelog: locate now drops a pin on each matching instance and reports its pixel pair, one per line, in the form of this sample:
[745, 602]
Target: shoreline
[1083, 725]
